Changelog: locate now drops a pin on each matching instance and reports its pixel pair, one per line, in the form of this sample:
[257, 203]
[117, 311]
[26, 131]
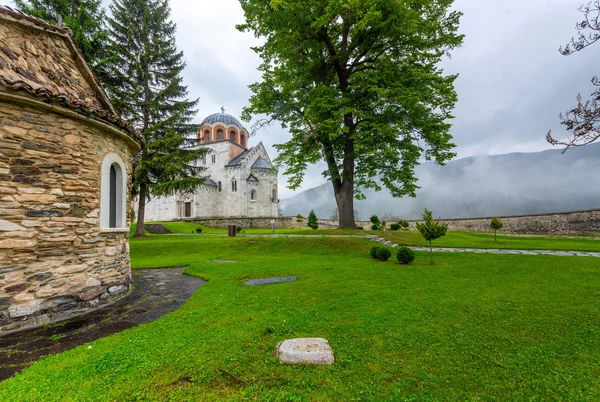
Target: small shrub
[374, 251]
[374, 227]
[360, 228]
[376, 223]
[403, 224]
[238, 229]
[198, 230]
[405, 255]
[395, 227]
[383, 254]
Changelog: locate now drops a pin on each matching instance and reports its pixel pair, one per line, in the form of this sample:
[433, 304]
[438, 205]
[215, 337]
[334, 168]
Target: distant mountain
[511, 184]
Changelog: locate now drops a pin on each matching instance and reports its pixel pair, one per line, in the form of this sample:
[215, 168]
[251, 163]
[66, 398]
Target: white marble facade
[242, 181]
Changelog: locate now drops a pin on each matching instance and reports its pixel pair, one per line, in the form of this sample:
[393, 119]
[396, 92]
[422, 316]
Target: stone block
[23, 310]
[117, 290]
[17, 244]
[6, 226]
[313, 351]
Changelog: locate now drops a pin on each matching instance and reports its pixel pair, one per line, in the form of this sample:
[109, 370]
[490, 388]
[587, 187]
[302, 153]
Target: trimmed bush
[383, 254]
[360, 228]
[374, 227]
[238, 229]
[374, 251]
[198, 230]
[405, 255]
[395, 227]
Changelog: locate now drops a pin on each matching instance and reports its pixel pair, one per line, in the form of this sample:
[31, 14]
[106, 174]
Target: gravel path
[491, 250]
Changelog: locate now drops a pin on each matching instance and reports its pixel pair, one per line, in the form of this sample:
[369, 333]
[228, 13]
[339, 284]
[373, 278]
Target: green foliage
[238, 229]
[299, 219]
[431, 230]
[313, 221]
[198, 230]
[145, 85]
[395, 227]
[383, 253]
[373, 251]
[85, 18]
[404, 225]
[358, 86]
[496, 224]
[405, 255]
[376, 223]
[359, 228]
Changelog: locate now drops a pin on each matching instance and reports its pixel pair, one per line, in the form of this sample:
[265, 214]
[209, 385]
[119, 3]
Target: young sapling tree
[431, 230]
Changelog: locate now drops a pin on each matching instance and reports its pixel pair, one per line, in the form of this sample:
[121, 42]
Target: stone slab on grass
[313, 351]
[268, 281]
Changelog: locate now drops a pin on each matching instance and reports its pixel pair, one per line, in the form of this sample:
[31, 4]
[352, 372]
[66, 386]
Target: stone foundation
[55, 260]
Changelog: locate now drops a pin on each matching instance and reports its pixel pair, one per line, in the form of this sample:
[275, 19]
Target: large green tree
[146, 87]
[84, 17]
[358, 85]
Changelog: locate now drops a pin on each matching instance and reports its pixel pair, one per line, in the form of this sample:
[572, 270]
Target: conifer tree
[496, 224]
[313, 221]
[146, 87]
[84, 17]
[431, 230]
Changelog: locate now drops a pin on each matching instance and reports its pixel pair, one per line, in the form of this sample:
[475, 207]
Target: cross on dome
[222, 109]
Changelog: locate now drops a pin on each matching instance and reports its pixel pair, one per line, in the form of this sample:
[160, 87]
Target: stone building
[242, 181]
[64, 179]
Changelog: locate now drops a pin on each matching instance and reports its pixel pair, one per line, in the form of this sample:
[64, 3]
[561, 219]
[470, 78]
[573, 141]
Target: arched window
[113, 193]
[243, 140]
[232, 136]
[274, 193]
[207, 136]
[233, 186]
[253, 195]
[219, 135]
[220, 186]
[214, 159]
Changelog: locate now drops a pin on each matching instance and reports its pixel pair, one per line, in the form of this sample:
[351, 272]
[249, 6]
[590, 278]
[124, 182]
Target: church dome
[222, 118]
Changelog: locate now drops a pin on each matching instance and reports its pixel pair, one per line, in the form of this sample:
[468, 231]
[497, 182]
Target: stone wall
[580, 222]
[55, 260]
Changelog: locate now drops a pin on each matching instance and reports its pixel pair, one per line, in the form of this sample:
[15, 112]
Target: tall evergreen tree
[84, 17]
[146, 87]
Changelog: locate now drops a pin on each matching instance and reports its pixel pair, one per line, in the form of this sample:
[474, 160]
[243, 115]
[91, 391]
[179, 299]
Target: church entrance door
[188, 209]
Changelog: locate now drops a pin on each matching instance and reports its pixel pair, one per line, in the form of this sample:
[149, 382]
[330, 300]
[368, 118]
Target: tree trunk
[494, 235]
[139, 230]
[430, 253]
[344, 198]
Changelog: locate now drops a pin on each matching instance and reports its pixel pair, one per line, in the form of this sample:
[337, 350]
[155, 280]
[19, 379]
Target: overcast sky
[513, 82]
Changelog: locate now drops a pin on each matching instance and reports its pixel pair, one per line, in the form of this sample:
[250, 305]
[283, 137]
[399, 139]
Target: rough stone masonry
[56, 129]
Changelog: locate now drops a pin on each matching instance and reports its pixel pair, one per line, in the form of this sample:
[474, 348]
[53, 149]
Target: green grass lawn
[471, 327]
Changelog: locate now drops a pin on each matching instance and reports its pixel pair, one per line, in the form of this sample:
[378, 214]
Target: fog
[482, 186]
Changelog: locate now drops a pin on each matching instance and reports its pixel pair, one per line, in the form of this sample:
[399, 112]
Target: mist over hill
[511, 184]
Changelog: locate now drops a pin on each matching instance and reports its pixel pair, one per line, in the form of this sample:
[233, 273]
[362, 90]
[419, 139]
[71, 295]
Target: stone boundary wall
[578, 222]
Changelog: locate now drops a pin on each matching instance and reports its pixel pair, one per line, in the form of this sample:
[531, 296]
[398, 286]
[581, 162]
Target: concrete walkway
[491, 250]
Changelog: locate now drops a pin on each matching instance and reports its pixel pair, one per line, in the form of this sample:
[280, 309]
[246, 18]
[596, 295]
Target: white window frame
[113, 159]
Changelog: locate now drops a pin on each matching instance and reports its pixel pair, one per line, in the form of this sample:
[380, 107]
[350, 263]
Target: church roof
[252, 178]
[42, 60]
[238, 159]
[222, 118]
[211, 182]
[261, 163]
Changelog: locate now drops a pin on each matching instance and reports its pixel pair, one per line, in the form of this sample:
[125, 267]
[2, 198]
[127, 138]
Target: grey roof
[222, 118]
[261, 163]
[238, 159]
[211, 182]
[251, 178]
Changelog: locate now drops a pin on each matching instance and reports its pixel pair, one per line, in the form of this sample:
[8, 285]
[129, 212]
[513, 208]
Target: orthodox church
[242, 181]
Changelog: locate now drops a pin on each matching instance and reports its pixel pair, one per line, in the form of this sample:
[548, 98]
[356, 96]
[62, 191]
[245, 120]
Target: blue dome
[222, 118]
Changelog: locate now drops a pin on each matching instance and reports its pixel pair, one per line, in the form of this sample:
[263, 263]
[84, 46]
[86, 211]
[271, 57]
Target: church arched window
[243, 140]
[219, 135]
[232, 136]
[274, 193]
[253, 195]
[113, 193]
[233, 186]
[207, 136]
[220, 186]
